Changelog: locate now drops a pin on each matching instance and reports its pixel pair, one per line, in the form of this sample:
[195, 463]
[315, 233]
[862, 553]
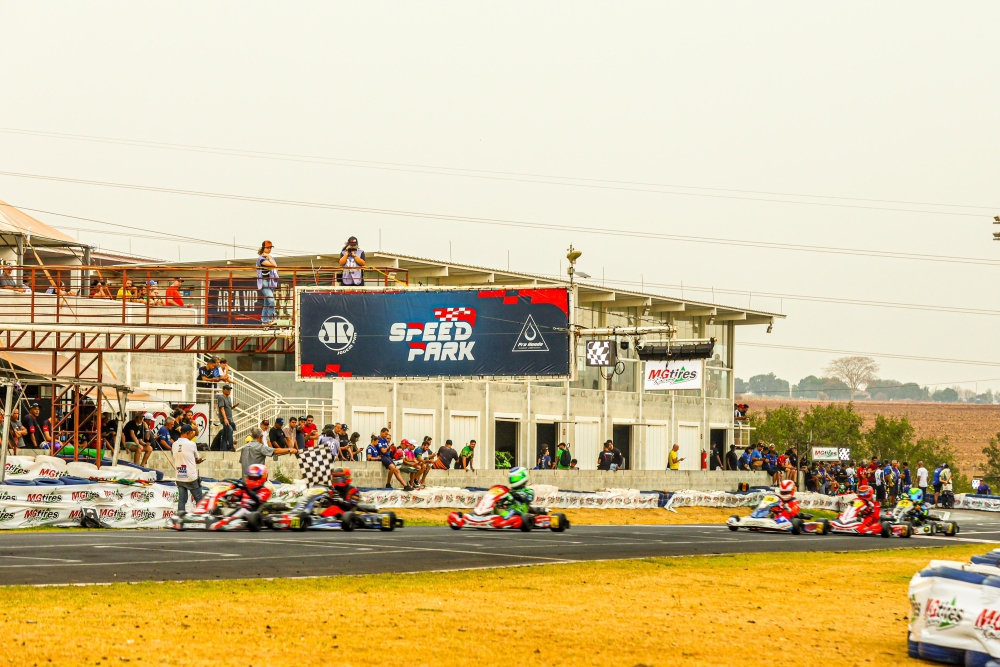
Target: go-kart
[222, 500]
[316, 510]
[771, 516]
[485, 516]
[905, 512]
[849, 522]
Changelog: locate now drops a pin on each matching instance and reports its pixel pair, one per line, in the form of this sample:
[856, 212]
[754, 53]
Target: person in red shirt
[174, 293]
[310, 432]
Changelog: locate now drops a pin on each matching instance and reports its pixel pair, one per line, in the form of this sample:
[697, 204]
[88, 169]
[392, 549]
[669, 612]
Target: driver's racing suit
[340, 499]
[919, 512]
[869, 512]
[516, 500]
[250, 501]
[788, 509]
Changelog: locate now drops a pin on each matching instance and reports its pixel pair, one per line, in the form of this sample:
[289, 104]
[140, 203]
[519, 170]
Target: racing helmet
[340, 476]
[865, 492]
[256, 476]
[517, 477]
[916, 495]
[786, 490]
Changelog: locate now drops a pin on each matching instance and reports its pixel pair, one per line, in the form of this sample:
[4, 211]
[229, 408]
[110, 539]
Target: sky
[855, 125]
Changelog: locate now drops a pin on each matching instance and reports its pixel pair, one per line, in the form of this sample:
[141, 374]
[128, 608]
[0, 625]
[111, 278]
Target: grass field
[762, 609]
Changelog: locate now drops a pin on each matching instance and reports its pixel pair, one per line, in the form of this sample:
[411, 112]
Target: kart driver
[252, 495]
[786, 492]
[520, 496]
[919, 511]
[342, 497]
[870, 507]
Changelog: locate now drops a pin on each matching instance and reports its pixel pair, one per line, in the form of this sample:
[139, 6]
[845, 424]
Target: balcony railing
[222, 297]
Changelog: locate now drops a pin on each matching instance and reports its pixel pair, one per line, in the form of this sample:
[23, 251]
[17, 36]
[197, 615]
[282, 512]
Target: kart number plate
[755, 523]
[294, 522]
[195, 526]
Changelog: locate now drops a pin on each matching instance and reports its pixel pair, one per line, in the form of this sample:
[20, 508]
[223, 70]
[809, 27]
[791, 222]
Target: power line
[545, 179]
[884, 355]
[521, 224]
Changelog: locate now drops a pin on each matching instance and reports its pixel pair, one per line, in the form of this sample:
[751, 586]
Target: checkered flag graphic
[845, 454]
[456, 315]
[315, 464]
[599, 353]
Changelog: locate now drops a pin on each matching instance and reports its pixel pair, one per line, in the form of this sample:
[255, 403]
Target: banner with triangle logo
[530, 339]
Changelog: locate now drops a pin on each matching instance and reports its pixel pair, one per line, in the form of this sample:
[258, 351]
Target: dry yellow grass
[599, 517]
[763, 609]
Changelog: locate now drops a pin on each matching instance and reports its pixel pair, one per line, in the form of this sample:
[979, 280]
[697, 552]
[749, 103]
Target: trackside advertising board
[673, 375]
[432, 333]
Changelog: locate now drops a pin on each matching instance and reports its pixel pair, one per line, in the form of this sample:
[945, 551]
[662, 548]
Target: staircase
[253, 403]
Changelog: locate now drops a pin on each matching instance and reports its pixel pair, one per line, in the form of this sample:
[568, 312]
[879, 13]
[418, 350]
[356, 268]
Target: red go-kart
[484, 516]
[851, 523]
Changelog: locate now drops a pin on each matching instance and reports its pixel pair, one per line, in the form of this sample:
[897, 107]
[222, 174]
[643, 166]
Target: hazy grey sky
[890, 101]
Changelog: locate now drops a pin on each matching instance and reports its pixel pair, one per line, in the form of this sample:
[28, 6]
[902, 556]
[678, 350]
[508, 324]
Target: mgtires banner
[433, 333]
[673, 375]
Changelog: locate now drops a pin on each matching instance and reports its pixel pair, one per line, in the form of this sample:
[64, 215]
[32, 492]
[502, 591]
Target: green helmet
[518, 477]
[916, 495]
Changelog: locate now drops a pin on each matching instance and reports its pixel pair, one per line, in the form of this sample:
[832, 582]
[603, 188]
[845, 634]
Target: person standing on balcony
[350, 257]
[226, 405]
[174, 293]
[222, 372]
[6, 280]
[267, 281]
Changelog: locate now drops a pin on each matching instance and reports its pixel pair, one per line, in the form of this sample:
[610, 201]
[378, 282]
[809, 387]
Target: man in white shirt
[922, 478]
[186, 463]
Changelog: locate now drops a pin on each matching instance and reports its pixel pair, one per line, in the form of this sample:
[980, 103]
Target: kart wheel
[458, 525]
[886, 529]
[388, 521]
[951, 529]
[303, 524]
[254, 522]
[347, 521]
[824, 527]
[559, 523]
[796, 526]
[527, 523]
[907, 530]
[732, 527]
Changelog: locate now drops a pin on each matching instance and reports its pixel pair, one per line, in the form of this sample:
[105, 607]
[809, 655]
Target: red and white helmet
[865, 492]
[786, 490]
[256, 476]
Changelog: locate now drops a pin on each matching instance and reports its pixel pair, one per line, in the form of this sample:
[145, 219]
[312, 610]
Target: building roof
[422, 270]
[15, 222]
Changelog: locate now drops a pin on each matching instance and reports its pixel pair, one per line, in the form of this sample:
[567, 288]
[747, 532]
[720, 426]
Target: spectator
[945, 481]
[276, 436]
[330, 440]
[7, 281]
[174, 431]
[226, 405]
[152, 294]
[544, 461]
[300, 437]
[353, 444]
[206, 374]
[716, 462]
[922, 478]
[892, 482]
[673, 459]
[59, 288]
[174, 293]
[732, 459]
[465, 458]
[265, 430]
[983, 489]
[385, 454]
[351, 256]
[572, 465]
[137, 438]
[618, 461]
[905, 479]
[222, 371]
[310, 432]
[17, 430]
[810, 472]
[186, 464]
[822, 480]
[757, 457]
[163, 438]
[371, 452]
[937, 483]
[258, 451]
[744, 461]
[99, 289]
[343, 443]
[446, 455]
[126, 292]
[606, 458]
[426, 458]
[409, 465]
[771, 460]
[563, 457]
[267, 281]
[291, 429]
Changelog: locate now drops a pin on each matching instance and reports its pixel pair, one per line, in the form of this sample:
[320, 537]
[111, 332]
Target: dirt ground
[598, 517]
[761, 609]
[968, 427]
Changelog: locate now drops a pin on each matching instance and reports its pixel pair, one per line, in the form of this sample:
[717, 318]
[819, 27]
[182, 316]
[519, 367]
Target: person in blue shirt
[983, 489]
[757, 457]
[744, 463]
[385, 454]
[937, 483]
[163, 439]
[371, 451]
[822, 480]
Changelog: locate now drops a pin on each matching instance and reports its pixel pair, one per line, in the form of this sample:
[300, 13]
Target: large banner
[674, 375]
[433, 333]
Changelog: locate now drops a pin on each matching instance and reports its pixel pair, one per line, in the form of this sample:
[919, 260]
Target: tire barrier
[955, 612]
[51, 467]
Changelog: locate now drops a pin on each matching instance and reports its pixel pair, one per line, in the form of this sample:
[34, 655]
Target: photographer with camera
[350, 257]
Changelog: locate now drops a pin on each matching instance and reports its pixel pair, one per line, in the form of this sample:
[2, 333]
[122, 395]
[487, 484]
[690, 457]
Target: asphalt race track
[159, 555]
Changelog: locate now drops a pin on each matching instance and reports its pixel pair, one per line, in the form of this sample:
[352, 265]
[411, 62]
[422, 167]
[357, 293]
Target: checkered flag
[845, 454]
[315, 464]
[599, 353]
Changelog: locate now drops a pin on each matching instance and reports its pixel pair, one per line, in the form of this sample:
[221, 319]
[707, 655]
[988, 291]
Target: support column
[8, 406]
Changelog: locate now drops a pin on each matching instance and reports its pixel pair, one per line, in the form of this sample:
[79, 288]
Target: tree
[781, 426]
[888, 438]
[948, 395]
[740, 386]
[768, 385]
[833, 424]
[855, 372]
[991, 469]
[812, 387]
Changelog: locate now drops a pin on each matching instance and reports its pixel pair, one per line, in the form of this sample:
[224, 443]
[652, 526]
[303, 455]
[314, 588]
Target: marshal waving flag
[433, 333]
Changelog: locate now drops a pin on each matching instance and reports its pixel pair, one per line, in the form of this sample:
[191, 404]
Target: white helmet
[786, 490]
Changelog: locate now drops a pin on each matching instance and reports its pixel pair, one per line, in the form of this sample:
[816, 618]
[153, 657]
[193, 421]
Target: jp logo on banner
[338, 334]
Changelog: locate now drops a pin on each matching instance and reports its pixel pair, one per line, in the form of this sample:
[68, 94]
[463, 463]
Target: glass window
[720, 332]
[716, 383]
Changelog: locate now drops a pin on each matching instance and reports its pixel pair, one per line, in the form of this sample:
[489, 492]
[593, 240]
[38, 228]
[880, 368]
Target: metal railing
[163, 296]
